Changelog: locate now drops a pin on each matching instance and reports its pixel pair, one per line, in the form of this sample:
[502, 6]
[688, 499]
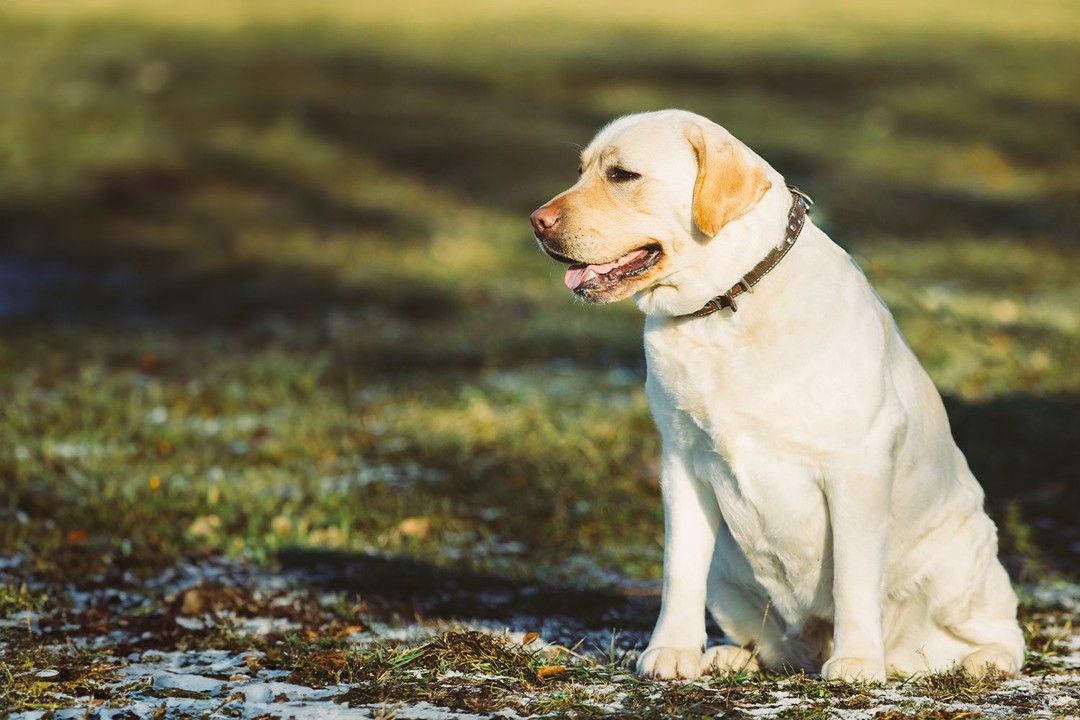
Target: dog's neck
[714, 267]
[800, 206]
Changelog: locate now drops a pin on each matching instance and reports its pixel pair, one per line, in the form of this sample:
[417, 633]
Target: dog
[815, 502]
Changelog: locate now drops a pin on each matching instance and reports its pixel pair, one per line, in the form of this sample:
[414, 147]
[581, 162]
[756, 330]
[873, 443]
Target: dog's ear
[728, 184]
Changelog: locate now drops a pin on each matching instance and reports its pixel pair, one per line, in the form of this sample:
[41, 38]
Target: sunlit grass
[303, 304]
[837, 18]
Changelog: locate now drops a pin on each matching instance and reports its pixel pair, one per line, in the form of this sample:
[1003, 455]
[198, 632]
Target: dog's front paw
[666, 663]
[728, 660]
[854, 668]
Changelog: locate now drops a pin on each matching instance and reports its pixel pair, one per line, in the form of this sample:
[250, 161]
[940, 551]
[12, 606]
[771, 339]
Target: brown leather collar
[800, 205]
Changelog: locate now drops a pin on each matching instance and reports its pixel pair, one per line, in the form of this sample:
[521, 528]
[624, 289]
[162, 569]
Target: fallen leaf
[211, 596]
[548, 672]
[204, 526]
[330, 659]
[415, 527]
[282, 525]
[150, 363]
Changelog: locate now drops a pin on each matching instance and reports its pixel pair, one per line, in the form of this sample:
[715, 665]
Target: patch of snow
[1060, 593]
[427, 711]
[781, 701]
[265, 625]
[395, 476]
[26, 620]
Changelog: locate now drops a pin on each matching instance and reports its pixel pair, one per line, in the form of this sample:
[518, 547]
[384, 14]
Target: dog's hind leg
[992, 632]
[971, 610]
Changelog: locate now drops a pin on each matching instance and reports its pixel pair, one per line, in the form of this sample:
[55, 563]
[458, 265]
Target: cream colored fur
[814, 499]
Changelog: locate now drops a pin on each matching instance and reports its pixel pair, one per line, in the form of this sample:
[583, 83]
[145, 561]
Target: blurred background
[267, 278]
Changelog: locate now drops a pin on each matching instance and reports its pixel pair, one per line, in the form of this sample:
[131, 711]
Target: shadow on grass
[403, 588]
[1023, 449]
[499, 138]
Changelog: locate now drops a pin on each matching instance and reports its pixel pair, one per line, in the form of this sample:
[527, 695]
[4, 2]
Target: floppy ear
[727, 184]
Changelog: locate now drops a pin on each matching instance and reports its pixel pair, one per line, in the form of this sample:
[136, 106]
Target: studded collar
[800, 206]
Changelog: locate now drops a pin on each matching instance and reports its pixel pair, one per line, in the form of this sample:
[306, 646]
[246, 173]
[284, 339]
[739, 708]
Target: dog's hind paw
[665, 663]
[990, 659]
[728, 660]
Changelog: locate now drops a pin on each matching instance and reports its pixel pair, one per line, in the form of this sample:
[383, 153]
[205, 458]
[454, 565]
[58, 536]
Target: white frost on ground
[241, 696]
[215, 684]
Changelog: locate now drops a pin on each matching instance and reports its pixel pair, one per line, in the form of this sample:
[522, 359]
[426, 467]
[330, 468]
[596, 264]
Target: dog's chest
[731, 391]
[758, 462]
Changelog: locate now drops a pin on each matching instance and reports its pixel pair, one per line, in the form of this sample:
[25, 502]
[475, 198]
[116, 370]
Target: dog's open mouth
[581, 277]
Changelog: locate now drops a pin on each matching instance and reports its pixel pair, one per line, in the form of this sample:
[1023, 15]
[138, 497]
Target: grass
[327, 645]
[266, 279]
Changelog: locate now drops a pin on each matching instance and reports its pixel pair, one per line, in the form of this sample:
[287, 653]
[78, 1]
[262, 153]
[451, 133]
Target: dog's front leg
[691, 518]
[859, 500]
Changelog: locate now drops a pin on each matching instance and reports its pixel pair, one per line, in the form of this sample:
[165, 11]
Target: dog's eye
[619, 175]
[580, 168]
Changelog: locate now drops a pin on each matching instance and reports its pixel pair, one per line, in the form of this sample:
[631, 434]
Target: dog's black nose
[544, 220]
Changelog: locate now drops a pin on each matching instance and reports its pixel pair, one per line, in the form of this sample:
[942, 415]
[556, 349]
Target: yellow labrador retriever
[814, 499]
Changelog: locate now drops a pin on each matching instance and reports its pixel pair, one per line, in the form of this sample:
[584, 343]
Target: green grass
[318, 263]
[284, 291]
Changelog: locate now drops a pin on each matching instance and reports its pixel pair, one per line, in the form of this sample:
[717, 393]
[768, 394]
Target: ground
[290, 396]
[214, 637]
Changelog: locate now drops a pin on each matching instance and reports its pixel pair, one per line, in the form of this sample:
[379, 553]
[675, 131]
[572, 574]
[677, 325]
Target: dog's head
[653, 186]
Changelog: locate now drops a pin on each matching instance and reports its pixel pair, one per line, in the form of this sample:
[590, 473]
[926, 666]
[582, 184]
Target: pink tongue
[577, 275]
